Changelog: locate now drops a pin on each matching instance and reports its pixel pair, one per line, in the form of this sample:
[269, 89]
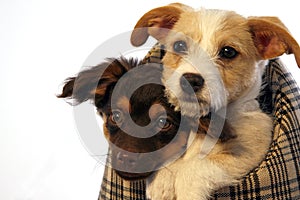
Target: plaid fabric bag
[278, 175]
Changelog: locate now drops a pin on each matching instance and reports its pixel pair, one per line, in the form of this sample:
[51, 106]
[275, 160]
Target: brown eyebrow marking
[123, 103]
[156, 109]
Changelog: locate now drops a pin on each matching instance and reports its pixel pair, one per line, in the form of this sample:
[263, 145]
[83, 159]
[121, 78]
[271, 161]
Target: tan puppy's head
[213, 56]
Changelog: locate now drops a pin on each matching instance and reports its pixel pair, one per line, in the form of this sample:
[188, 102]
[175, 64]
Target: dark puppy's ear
[68, 88]
[95, 83]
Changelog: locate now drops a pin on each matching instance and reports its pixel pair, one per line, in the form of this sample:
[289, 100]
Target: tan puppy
[216, 57]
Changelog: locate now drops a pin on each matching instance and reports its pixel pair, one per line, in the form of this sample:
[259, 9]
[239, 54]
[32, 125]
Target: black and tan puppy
[138, 124]
[142, 128]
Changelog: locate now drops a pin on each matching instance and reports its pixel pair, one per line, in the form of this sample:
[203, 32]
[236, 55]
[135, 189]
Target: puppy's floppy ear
[272, 38]
[96, 82]
[156, 23]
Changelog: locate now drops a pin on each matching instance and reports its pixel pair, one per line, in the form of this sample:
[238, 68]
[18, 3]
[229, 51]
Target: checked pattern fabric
[278, 175]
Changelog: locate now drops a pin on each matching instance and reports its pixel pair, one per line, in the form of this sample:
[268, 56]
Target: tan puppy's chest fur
[228, 52]
[195, 178]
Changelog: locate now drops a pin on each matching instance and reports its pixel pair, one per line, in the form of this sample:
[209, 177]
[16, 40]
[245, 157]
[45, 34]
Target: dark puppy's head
[142, 128]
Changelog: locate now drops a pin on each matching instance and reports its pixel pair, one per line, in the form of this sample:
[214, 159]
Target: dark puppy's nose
[191, 82]
[128, 161]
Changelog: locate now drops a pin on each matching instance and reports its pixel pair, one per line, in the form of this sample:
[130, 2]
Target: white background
[41, 44]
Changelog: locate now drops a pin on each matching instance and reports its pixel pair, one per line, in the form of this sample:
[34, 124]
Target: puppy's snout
[191, 82]
[127, 160]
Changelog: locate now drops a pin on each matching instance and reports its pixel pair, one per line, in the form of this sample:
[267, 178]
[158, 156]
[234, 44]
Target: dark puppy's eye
[228, 52]
[116, 117]
[164, 124]
[180, 47]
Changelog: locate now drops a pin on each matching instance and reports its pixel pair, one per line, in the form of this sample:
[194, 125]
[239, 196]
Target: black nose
[191, 82]
[127, 161]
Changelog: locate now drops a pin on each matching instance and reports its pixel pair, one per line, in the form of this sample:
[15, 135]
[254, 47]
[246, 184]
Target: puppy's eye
[228, 52]
[163, 124]
[180, 47]
[116, 117]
